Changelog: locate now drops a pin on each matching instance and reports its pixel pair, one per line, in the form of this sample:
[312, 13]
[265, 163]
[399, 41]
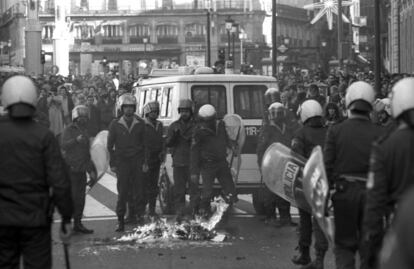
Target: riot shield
[99, 153]
[317, 192]
[237, 133]
[282, 171]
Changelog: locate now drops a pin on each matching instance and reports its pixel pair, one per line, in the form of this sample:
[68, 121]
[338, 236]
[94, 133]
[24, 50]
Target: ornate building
[401, 36]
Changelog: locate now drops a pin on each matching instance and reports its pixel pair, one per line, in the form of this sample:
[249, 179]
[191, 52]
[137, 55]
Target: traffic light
[222, 54]
[42, 57]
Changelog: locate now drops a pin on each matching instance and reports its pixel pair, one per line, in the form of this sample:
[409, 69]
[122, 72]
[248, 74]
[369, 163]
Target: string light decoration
[328, 8]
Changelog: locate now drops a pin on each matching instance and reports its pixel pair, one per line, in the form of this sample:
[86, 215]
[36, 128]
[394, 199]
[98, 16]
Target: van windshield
[248, 101]
[210, 94]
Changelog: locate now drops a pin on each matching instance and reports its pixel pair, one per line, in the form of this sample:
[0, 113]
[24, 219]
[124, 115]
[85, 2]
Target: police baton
[66, 251]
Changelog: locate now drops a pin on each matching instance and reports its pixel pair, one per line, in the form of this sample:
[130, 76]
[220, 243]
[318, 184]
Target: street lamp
[145, 41]
[242, 37]
[229, 24]
[9, 44]
[234, 29]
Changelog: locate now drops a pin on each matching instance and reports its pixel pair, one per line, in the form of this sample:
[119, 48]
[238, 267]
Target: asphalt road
[249, 243]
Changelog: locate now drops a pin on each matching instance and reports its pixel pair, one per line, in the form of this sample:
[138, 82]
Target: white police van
[229, 94]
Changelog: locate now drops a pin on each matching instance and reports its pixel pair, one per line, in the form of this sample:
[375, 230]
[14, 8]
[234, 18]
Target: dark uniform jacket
[272, 134]
[208, 146]
[154, 144]
[30, 165]
[179, 140]
[125, 142]
[94, 123]
[312, 134]
[76, 155]
[348, 147]
[392, 174]
[106, 113]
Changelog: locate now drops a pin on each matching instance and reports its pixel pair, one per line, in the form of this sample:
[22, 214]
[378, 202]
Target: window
[167, 30]
[210, 94]
[165, 103]
[142, 96]
[248, 101]
[139, 30]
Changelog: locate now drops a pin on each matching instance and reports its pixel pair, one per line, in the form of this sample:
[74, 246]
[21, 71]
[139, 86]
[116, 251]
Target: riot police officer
[126, 151]
[391, 170]
[154, 154]
[33, 180]
[75, 148]
[208, 158]
[347, 151]
[179, 141]
[276, 131]
[271, 96]
[312, 134]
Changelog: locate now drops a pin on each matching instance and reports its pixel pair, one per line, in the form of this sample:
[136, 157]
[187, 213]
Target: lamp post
[9, 44]
[234, 29]
[208, 38]
[242, 37]
[1, 52]
[229, 24]
[145, 41]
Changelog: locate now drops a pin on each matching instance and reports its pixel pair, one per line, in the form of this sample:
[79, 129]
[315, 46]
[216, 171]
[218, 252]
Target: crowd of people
[341, 113]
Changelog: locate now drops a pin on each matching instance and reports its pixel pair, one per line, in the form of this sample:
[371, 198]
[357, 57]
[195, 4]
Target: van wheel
[258, 203]
[165, 196]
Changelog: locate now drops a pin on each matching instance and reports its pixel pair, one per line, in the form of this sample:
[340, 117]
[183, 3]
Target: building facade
[127, 36]
[401, 36]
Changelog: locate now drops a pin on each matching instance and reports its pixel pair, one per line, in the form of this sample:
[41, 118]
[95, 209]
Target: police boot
[131, 219]
[121, 224]
[79, 228]
[317, 263]
[303, 258]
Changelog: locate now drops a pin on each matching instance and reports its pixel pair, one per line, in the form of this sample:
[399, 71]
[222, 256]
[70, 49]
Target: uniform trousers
[130, 180]
[33, 244]
[348, 202]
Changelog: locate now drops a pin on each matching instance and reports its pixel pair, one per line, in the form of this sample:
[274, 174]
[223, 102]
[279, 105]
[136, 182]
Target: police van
[229, 94]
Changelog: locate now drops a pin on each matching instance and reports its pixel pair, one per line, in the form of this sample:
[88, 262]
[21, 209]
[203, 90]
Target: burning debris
[163, 234]
[195, 230]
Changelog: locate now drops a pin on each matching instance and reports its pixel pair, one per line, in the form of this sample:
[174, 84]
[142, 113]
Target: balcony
[167, 39]
[138, 39]
[195, 39]
[88, 40]
[112, 40]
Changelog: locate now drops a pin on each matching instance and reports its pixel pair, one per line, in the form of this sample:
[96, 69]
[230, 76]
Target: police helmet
[206, 112]
[19, 96]
[127, 99]
[275, 110]
[272, 95]
[80, 111]
[402, 97]
[360, 97]
[152, 106]
[185, 104]
[310, 109]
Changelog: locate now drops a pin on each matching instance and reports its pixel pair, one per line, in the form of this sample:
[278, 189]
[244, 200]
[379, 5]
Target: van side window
[165, 103]
[142, 97]
[248, 101]
[210, 94]
[155, 95]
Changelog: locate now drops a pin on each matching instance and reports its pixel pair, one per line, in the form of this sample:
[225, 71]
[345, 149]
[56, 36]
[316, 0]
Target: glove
[81, 139]
[195, 179]
[65, 232]
[145, 168]
[93, 178]
[162, 156]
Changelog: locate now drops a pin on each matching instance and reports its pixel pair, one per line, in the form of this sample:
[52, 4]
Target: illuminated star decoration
[328, 7]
